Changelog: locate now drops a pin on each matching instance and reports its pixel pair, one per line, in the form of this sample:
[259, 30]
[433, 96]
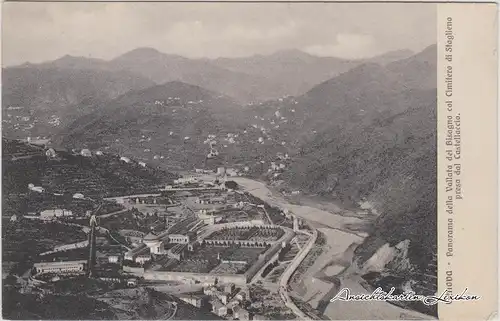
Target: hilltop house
[219, 308]
[49, 214]
[86, 153]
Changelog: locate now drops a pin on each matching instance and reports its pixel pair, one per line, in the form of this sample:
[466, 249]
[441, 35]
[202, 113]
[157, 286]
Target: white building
[60, 267]
[191, 299]
[178, 239]
[49, 214]
[125, 159]
[154, 244]
[143, 258]
[129, 256]
[85, 153]
[37, 189]
[219, 308]
[232, 172]
[113, 258]
[186, 179]
[221, 171]
[50, 153]
[78, 196]
[132, 282]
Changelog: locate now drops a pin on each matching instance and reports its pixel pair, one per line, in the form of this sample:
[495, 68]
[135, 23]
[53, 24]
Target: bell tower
[92, 246]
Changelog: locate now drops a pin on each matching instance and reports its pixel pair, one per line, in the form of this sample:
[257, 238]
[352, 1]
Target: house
[132, 282]
[13, 218]
[60, 267]
[49, 214]
[142, 164]
[209, 290]
[129, 256]
[99, 153]
[78, 196]
[34, 188]
[239, 205]
[219, 308]
[113, 259]
[192, 299]
[178, 238]
[240, 313]
[232, 304]
[240, 296]
[229, 288]
[85, 153]
[155, 245]
[50, 153]
[38, 189]
[221, 171]
[143, 258]
[223, 297]
[232, 172]
[125, 159]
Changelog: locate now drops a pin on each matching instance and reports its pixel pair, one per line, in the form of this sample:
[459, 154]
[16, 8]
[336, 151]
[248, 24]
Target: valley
[201, 167]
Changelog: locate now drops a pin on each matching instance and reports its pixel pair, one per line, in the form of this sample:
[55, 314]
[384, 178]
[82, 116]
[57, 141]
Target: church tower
[92, 246]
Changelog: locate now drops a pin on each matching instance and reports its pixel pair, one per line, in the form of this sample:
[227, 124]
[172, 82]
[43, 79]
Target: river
[312, 214]
[340, 236]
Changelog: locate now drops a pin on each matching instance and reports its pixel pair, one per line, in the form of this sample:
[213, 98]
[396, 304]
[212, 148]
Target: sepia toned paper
[473, 155]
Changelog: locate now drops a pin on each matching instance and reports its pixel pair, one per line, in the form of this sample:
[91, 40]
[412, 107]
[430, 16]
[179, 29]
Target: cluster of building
[227, 301]
[65, 267]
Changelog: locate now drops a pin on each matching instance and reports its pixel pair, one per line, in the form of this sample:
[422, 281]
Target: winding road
[338, 230]
[285, 277]
[261, 191]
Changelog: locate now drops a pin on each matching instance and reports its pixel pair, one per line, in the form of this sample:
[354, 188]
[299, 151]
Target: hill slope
[167, 123]
[95, 176]
[37, 100]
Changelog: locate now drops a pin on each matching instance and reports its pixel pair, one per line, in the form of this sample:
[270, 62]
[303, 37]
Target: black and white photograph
[219, 161]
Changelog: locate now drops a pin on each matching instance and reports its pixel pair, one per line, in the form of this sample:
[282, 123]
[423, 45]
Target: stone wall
[187, 277]
[265, 257]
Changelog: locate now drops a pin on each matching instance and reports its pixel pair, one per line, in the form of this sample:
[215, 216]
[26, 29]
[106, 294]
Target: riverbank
[331, 271]
[348, 224]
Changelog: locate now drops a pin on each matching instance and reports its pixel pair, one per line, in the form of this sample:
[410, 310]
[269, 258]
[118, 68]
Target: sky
[37, 32]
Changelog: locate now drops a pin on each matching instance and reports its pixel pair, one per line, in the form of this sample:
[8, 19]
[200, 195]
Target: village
[200, 238]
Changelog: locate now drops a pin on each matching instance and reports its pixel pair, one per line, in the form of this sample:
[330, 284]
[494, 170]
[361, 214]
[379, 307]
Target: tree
[231, 185]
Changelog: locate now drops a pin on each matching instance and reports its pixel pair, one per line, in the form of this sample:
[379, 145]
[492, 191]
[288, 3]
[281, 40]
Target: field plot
[247, 213]
[249, 233]
[276, 273]
[133, 220]
[22, 242]
[214, 259]
[230, 268]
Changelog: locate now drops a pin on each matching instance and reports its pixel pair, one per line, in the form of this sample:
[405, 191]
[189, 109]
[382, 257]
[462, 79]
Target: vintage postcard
[249, 161]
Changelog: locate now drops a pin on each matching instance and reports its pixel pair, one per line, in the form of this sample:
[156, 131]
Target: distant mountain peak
[392, 56]
[429, 52]
[292, 53]
[142, 53]
[144, 50]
